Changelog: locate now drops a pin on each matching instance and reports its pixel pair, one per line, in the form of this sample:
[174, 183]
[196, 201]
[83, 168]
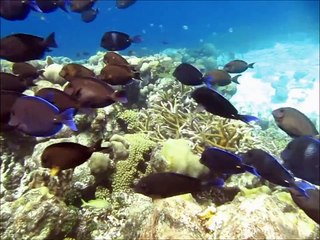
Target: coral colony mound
[126, 147]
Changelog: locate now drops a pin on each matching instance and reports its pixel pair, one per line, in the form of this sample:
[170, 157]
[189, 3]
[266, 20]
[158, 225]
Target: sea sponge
[127, 170]
[179, 158]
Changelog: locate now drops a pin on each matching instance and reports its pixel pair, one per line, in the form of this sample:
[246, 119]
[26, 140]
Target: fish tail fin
[67, 118]
[120, 96]
[217, 182]
[41, 72]
[136, 75]
[302, 186]
[208, 81]
[50, 41]
[235, 79]
[247, 118]
[33, 4]
[251, 170]
[251, 65]
[136, 39]
[63, 5]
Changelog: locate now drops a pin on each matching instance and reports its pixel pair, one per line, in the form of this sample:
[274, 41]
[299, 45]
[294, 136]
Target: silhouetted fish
[37, 117]
[310, 205]
[222, 161]
[8, 98]
[294, 122]
[14, 10]
[58, 98]
[301, 156]
[118, 75]
[24, 47]
[11, 82]
[94, 93]
[89, 15]
[269, 168]
[216, 104]
[237, 66]
[168, 184]
[48, 6]
[188, 75]
[117, 41]
[81, 5]
[67, 155]
[122, 4]
[72, 70]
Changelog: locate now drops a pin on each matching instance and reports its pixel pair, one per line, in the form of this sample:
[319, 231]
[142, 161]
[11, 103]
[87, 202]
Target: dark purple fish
[8, 98]
[293, 122]
[310, 205]
[301, 156]
[168, 184]
[37, 117]
[113, 58]
[93, 93]
[220, 78]
[48, 6]
[24, 47]
[237, 66]
[14, 10]
[122, 4]
[188, 75]
[67, 155]
[224, 162]
[72, 70]
[81, 5]
[216, 104]
[117, 41]
[89, 15]
[58, 98]
[269, 168]
[15, 83]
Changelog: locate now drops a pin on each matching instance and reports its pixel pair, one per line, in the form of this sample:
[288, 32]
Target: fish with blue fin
[221, 161]
[311, 204]
[169, 184]
[269, 168]
[302, 157]
[215, 103]
[37, 117]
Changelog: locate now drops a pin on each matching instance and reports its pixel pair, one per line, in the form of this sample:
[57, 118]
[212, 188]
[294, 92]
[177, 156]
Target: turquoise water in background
[235, 26]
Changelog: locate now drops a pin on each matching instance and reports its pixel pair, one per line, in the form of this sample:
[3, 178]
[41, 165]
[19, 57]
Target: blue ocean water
[229, 25]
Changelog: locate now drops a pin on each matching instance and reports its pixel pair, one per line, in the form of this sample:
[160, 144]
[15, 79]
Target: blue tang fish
[39, 118]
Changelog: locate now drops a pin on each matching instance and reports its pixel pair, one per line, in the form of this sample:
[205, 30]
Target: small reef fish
[301, 156]
[118, 75]
[12, 82]
[188, 75]
[72, 70]
[14, 10]
[22, 47]
[222, 161]
[293, 122]
[310, 205]
[48, 6]
[220, 78]
[96, 203]
[81, 5]
[8, 98]
[117, 41]
[26, 70]
[58, 98]
[216, 104]
[89, 15]
[94, 93]
[168, 184]
[237, 66]
[37, 117]
[67, 155]
[122, 4]
[269, 168]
